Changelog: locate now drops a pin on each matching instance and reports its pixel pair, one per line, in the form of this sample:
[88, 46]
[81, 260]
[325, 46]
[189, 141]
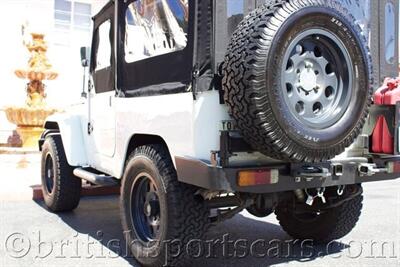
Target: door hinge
[195, 77]
[89, 128]
[90, 85]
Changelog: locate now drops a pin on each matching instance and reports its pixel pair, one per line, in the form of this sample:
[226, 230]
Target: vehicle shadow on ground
[236, 242]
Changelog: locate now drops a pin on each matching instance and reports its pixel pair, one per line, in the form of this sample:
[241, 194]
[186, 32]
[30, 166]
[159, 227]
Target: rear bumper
[291, 177]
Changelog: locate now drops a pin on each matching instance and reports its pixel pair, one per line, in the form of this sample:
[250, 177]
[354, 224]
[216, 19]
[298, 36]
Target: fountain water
[31, 117]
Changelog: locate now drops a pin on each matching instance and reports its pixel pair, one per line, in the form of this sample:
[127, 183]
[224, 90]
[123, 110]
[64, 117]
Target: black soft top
[168, 73]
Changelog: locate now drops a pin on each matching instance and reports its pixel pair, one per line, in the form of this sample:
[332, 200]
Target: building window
[390, 33]
[235, 11]
[71, 16]
[155, 27]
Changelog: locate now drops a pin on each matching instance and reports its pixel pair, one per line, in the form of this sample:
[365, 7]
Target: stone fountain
[31, 117]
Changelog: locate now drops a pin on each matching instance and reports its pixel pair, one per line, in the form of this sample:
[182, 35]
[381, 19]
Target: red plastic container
[382, 140]
[388, 94]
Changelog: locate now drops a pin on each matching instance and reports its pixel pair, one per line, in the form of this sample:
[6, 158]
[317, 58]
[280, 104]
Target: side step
[94, 178]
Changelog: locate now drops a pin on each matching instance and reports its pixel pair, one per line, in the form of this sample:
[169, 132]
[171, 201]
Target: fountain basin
[29, 122]
[28, 116]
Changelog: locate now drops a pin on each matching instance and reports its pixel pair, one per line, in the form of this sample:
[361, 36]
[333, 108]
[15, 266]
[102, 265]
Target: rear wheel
[61, 189]
[159, 214]
[320, 226]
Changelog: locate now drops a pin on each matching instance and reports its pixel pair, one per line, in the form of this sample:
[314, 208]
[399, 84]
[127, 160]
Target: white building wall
[39, 14]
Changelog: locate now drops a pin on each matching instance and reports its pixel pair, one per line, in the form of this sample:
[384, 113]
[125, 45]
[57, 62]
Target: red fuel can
[388, 94]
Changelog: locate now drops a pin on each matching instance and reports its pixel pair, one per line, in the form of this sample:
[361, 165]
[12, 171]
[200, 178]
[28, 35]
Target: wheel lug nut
[299, 49]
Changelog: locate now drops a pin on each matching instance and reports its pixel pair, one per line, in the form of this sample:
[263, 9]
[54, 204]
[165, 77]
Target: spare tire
[298, 79]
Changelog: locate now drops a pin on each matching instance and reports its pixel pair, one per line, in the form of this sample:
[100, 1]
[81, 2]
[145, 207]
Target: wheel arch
[50, 128]
[70, 130]
[51, 125]
[138, 140]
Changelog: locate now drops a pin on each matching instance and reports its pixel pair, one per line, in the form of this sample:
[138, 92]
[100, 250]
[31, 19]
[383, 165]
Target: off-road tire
[252, 89]
[66, 190]
[253, 210]
[185, 217]
[331, 225]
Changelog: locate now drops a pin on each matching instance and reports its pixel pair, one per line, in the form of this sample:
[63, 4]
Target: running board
[94, 178]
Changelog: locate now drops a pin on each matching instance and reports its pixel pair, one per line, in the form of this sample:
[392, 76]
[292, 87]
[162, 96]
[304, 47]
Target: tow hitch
[328, 197]
[366, 169]
[310, 173]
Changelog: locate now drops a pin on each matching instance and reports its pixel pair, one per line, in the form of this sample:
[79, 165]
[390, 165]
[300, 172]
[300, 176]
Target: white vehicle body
[189, 127]
[191, 137]
[99, 132]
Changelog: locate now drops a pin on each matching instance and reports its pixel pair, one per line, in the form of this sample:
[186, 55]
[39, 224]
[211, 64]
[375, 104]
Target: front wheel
[324, 226]
[61, 189]
[159, 215]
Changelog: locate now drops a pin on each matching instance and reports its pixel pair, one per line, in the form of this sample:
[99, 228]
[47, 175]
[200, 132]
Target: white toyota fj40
[201, 105]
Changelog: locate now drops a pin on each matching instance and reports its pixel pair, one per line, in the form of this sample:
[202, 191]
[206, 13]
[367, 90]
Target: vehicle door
[102, 78]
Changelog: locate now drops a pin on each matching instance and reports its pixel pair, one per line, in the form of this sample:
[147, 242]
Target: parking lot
[92, 235]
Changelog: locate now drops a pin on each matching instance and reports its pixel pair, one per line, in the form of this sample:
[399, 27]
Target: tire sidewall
[331, 20]
[148, 255]
[48, 150]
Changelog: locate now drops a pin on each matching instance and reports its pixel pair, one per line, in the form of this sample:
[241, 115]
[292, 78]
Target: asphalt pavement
[92, 235]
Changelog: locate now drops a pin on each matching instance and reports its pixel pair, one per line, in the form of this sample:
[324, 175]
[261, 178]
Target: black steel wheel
[157, 209]
[145, 208]
[61, 189]
[49, 173]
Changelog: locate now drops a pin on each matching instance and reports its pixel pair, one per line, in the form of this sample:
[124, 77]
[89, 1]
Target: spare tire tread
[244, 86]
[235, 67]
